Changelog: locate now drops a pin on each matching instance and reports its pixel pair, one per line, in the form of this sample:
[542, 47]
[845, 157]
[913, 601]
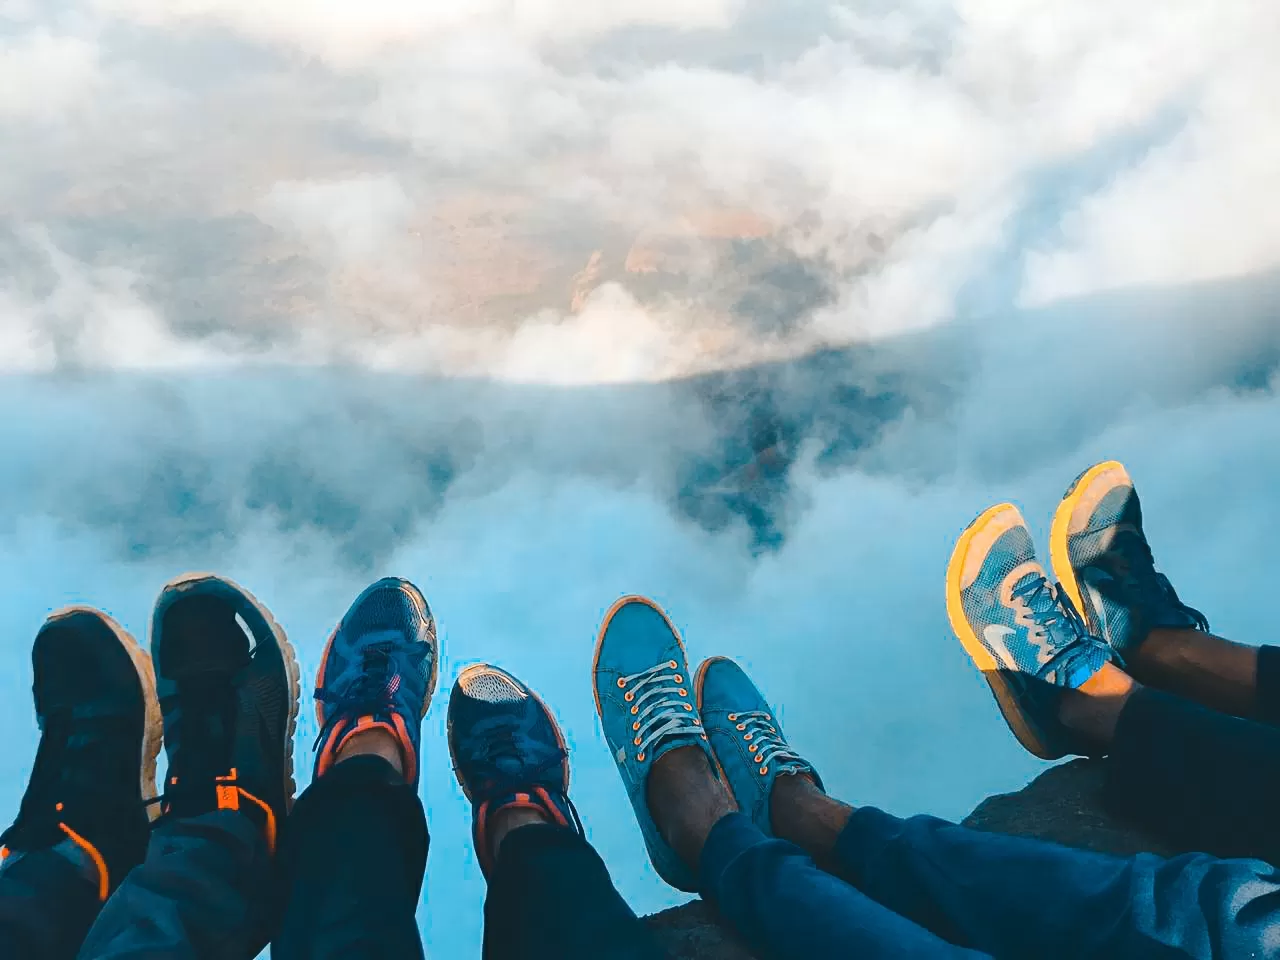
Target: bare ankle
[686, 799]
[800, 812]
[506, 821]
[376, 742]
[1093, 709]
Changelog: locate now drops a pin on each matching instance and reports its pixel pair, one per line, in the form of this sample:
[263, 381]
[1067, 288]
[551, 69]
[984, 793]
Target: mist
[748, 307]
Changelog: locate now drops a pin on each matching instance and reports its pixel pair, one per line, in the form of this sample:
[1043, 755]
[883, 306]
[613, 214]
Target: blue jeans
[784, 906]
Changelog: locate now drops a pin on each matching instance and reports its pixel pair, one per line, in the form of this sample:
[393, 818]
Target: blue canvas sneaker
[747, 739]
[644, 697]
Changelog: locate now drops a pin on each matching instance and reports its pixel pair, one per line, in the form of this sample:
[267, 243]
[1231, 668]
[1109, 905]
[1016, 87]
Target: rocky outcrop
[1063, 804]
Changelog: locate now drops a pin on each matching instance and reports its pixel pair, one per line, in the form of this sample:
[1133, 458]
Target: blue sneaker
[642, 687]
[508, 752]
[1102, 557]
[746, 737]
[378, 672]
[1021, 631]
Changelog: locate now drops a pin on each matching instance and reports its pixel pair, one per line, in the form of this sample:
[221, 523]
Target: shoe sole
[564, 745]
[287, 654]
[435, 662]
[1061, 530]
[1006, 697]
[153, 732]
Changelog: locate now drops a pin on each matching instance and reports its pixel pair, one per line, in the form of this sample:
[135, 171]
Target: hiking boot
[95, 767]
[228, 684]
[1020, 630]
[378, 673]
[508, 753]
[1101, 555]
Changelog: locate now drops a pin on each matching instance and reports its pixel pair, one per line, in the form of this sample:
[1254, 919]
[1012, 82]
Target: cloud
[749, 308]
[43, 74]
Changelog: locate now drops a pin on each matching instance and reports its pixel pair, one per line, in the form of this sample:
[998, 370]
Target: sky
[748, 306]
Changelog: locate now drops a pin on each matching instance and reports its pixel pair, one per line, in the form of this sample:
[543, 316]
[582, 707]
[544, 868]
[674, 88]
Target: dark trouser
[785, 907]
[351, 864]
[550, 898]
[47, 904]
[204, 892]
[1201, 779]
[1017, 897]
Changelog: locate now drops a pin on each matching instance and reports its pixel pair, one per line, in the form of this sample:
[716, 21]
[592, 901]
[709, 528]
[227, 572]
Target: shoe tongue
[1075, 665]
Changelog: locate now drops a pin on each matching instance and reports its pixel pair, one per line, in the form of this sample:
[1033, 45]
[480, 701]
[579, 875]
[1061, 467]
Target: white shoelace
[766, 742]
[668, 711]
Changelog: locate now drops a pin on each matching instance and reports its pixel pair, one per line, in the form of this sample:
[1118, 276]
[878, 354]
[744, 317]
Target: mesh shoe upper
[1022, 632]
[1102, 556]
[507, 751]
[228, 684]
[378, 671]
[1026, 622]
[95, 764]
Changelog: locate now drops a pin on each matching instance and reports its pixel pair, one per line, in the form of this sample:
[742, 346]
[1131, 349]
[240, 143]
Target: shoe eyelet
[673, 665]
[751, 748]
[636, 741]
[636, 725]
[628, 696]
[697, 722]
[622, 683]
[689, 707]
[733, 717]
[640, 757]
[634, 711]
[684, 692]
[741, 726]
[767, 717]
[747, 736]
[764, 771]
[704, 736]
[679, 679]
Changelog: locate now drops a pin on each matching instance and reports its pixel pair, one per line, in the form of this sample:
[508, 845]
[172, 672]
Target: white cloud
[42, 75]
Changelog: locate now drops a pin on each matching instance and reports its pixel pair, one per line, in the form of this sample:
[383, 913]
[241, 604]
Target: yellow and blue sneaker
[1101, 556]
[378, 672]
[746, 737]
[1021, 631]
[508, 753]
[645, 702]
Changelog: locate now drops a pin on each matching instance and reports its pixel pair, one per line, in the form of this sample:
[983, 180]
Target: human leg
[550, 894]
[356, 845]
[227, 681]
[82, 825]
[769, 890]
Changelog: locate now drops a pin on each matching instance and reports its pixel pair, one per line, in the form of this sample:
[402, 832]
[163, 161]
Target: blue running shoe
[228, 684]
[746, 737]
[642, 687]
[1101, 555]
[1021, 631]
[378, 672]
[508, 753]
